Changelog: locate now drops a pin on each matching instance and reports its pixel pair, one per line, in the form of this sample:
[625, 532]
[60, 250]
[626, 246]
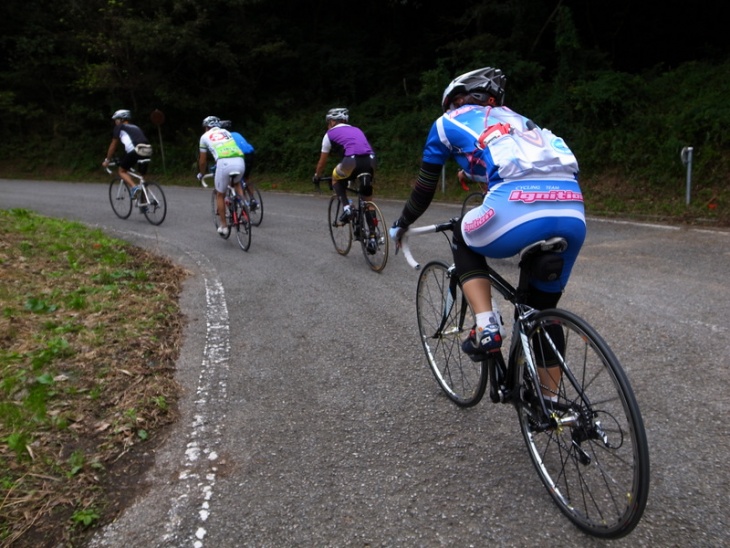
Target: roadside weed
[89, 331]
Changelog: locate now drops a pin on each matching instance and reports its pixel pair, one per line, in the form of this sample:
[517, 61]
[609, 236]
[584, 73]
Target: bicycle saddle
[558, 244]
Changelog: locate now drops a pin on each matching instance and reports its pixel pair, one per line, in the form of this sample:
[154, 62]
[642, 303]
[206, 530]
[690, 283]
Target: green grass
[77, 338]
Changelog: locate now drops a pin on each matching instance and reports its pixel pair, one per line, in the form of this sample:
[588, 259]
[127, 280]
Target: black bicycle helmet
[484, 80]
[211, 121]
[122, 114]
[339, 114]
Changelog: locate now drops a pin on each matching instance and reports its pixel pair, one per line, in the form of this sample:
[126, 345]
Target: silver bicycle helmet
[339, 114]
[478, 82]
[211, 121]
[122, 114]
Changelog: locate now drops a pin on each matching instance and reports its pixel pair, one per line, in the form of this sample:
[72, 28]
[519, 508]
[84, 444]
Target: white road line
[190, 501]
[199, 476]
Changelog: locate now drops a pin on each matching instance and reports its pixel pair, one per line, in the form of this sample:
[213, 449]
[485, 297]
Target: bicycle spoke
[341, 233]
[257, 212]
[374, 237]
[590, 450]
[156, 207]
[120, 198]
[442, 328]
[242, 225]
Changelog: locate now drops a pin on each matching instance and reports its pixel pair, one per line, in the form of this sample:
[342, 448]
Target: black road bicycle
[582, 427]
[366, 225]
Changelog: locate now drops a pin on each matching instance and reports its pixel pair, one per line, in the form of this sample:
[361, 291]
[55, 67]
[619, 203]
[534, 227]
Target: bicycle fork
[449, 305]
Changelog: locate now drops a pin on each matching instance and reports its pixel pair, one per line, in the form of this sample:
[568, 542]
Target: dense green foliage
[622, 91]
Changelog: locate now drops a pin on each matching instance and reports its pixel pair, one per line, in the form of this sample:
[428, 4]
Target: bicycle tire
[257, 215]
[341, 233]
[375, 244]
[120, 198]
[600, 484]
[156, 209]
[439, 301]
[472, 200]
[242, 225]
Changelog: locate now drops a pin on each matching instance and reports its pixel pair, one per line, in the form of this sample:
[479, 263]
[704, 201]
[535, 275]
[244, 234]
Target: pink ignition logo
[478, 222]
[545, 196]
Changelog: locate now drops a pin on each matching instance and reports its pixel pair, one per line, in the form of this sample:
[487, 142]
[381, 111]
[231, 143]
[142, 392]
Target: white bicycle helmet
[122, 114]
[485, 80]
[211, 121]
[339, 114]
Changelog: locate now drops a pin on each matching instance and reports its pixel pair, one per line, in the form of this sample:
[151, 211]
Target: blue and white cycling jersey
[495, 144]
[532, 179]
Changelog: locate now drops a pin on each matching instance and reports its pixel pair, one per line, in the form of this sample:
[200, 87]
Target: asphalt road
[310, 418]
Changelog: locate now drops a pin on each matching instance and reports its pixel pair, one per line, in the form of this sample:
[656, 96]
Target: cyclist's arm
[324, 154]
[421, 195]
[203, 161]
[110, 151]
[321, 164]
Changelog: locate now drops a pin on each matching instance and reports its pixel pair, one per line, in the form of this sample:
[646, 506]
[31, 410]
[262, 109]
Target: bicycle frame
[149, 196]
[592, 456]
[133, 172]
[366, 224]
[503, 384]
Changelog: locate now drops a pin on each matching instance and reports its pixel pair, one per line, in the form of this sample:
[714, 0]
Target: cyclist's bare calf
[124, 174]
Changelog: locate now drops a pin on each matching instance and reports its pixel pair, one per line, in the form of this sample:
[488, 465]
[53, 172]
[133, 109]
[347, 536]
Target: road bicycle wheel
[375, 240]
[473, 200]
[591, 452]
[341, 233]
[242, 225]
[120, 198]
[444, 321]
[156, 208]
[257, 213]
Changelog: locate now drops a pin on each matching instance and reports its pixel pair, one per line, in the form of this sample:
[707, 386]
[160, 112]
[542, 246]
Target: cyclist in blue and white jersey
[533, 193]
[358, 156]
[228, 159]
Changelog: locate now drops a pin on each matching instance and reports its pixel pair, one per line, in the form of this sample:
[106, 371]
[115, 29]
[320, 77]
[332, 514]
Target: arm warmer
[421, 195]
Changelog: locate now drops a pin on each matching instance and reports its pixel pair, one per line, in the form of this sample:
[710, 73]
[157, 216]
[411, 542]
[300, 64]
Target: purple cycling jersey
[349, 138]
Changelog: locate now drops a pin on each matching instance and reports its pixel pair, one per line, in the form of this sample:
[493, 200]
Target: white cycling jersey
[220, 143]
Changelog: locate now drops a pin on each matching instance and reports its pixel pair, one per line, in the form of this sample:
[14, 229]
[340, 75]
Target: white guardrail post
[686, 157]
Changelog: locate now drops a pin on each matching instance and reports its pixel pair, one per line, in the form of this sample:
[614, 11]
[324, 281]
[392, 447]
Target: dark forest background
[626, 83]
